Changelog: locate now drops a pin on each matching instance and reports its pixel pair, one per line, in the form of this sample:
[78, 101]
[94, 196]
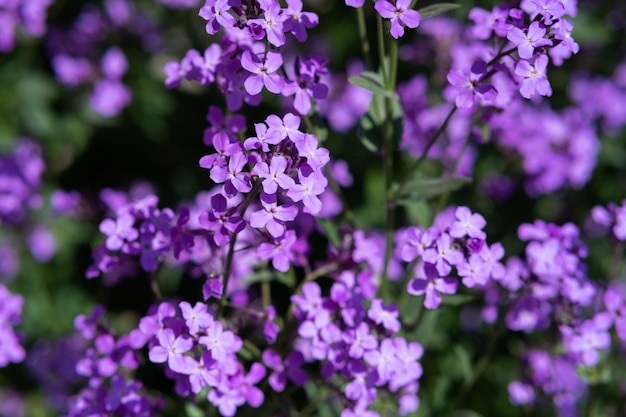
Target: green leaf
[265, 275]
[427, 326]
[465, 362]
[370, 81]
[435, 9]
[193, 410]
[456, 299]
[331, 232]
[426, 188]
[465, 413]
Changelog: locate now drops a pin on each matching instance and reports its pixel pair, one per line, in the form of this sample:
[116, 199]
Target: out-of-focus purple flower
[109, 97]
[534, 77]
[11, 349]
[42, 244]
[12, 403]
[65, 202]
[9, 263]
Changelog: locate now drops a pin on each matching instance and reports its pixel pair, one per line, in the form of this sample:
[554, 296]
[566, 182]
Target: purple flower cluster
[550, 285]
[422, 119]
[284, 166]
[139, 229]
[457, 242]
[20, 197]
[198, 353]
[107, 362]
[11, 349]
[354, 336]
[547, 33]
[553, 376]
[53, 365]
[602, 99]
[558, 149]
[550, 290]
[27, 15]
[613, 218]
[250, 58]
[346, 103]
[496, 63]
[80, 56]
[20, 182]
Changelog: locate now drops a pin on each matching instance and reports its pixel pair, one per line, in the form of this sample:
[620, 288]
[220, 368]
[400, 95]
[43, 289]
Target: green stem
[389, 70]
[381, 45]
[231, 249]
[413, 168]
[480, 366]
[365, 43]
[154, 285]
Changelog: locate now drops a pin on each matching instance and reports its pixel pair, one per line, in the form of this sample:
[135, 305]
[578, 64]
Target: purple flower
[272, 23]
[280, 251]
[221, 219]
[297, 21]
[274, 175]
[308, 190]
[520, 393]
[109, 97]
[219, 342]
[264, 137]
[223, 147]
[171, 349]
[469, 88]
[263, 72]
[387, 316]
[527, 42]
[548, 9]
[284, 371]
[216, 13]
[316, 157]
[42, 244]
[431, 286]
[535, 79]
[196, 317]
[233, 177]
[113, 64]
[400, 15]
[468, 224]
[359, 341]
[443, 255]
[272, 216]
[355, 3]
[119, 231]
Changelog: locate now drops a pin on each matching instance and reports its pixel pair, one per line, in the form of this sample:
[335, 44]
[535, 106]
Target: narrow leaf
[370, 81]
[426, 188]
[435, 9]
[465, 362]
[331, 232]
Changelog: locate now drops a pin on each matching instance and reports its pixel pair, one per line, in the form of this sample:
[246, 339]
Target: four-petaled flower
[400, 15]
